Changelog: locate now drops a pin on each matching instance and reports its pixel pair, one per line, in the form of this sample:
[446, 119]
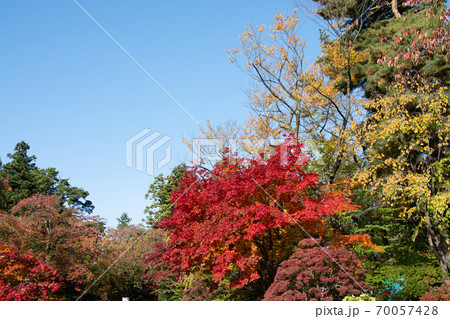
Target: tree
[416, 44]
[123, 251]
[61, 237]
[21, 171]
[4, 188]
[26, 179]
[168, 285]
[164, 281]
[159, 193]
[123, 221]
[316, 273]
[255, 135]
[200, 287]
[398, 42]
[240, 221]
[301, 99]
[73, 196]
[395, 38]
[408, 144]
[23, 277]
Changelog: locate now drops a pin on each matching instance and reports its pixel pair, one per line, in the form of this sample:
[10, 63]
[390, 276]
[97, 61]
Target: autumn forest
[336, 186]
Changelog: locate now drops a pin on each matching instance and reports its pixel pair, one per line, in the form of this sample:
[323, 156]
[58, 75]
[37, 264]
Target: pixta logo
[142, 147]
[210, 150]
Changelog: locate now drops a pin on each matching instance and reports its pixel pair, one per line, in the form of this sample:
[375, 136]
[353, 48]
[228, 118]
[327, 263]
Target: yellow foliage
[408, 142]
[300, 99]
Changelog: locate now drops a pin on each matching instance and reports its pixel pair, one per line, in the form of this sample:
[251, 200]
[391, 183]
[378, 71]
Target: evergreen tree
[394, 38]
[4, 187]
[159, 193]
[73, 196]
[123, 221]
[26, 179]
[21, 171]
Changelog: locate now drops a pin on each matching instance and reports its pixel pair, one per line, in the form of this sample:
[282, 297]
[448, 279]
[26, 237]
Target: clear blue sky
[72, 94]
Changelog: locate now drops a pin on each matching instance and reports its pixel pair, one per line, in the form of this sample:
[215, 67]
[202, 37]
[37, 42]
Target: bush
[437, 294]
[203, 288]
[404, 282]
[310, 274]
[361, 297]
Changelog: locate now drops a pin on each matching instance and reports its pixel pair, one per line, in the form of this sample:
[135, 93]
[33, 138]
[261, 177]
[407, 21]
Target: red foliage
[437, 294]
[241, 217]
[315, 273]
[23, 277]
[64, 238]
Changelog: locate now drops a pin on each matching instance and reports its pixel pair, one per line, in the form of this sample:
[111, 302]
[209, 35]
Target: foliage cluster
[24, 277]
[317, 273]
[441, 293]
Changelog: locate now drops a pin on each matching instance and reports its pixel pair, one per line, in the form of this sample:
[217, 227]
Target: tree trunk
[439, 245]
[395, 9]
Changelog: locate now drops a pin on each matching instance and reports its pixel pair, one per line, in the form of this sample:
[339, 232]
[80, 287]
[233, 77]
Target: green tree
[126, 272]
[26, 179]
[123, 221]
[396, 38]
[21, 171]
[159, 193]
[73, 196]
[4, 187]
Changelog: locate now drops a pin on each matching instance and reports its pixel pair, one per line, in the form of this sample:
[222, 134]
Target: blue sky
[71, 93]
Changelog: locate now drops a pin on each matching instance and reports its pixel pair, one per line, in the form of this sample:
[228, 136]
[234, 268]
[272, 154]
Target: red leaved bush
[441, 293]
[315, 273]
[240, 219]
[23, 277]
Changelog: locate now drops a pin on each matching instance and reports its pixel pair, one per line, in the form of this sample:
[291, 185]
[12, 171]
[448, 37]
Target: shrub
[404, 282]
[437, 294]
[361, 297]
[201, 287]
[315, 273]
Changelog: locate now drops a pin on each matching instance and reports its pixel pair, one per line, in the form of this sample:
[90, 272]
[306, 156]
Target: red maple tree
[23, 277]
[59, 236]
[244, 217]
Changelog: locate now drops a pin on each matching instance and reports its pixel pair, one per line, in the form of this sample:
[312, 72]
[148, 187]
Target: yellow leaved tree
[303, 100]
[407, 145]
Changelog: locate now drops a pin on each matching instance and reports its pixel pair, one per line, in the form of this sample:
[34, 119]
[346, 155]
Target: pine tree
[395, 38]
[123, 221]
[25, 179]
